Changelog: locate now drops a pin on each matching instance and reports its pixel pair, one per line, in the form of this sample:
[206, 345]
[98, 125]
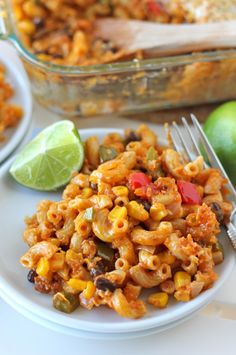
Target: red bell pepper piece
[138, 180]
[154, 7]
[189, 193]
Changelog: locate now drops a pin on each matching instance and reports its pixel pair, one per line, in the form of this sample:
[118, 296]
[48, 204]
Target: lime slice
[49, 160]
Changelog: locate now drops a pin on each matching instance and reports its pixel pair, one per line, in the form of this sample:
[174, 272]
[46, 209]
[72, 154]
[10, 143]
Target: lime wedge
[49, 160]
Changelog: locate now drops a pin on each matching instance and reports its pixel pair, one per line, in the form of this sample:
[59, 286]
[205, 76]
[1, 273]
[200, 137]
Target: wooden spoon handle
[132, 35]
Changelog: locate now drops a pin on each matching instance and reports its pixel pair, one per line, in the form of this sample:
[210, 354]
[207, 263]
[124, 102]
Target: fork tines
[189, 138]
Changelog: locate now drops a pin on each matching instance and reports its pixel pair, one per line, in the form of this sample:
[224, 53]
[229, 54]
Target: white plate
[17, 202]
[83, 334]
[16, 76]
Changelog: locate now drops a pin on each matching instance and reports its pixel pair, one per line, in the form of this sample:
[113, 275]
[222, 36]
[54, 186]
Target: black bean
[57, 55]
[38, 22]
[39, 52]
[64, 247]
[104, 284]
[215, 207]
[142, 168]
[31, 275]
[145, 203]
[98, 269]
[101, 267]
[93, 186]
[41, 33]
[109, 46]
[132, 137]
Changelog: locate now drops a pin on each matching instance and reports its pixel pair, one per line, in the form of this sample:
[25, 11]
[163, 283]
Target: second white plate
[17, 77]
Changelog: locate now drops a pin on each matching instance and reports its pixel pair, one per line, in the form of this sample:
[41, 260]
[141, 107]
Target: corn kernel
[87, 192]
[158, 212]
[43, 267]
[120, 191]
[26, 27]
[117, 213]
[77, 285]
[137, 211]
[166, 258]
[181, 278]
[89, 290]
[159, 299]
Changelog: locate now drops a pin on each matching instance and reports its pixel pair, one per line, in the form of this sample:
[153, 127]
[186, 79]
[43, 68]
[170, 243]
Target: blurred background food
[75, 74]
[10, 114]
[61, 31]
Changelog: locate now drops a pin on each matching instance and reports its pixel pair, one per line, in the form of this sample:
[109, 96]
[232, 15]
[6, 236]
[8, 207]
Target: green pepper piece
[89, 214]
[107, 153]
[105, 252]
[65, 302]
[218, 247]
[151, 154]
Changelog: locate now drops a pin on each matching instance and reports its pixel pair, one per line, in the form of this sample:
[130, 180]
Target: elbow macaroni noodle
[111, 236]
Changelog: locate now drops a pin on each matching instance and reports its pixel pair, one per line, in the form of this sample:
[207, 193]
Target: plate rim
[87, 334]
[23, 84]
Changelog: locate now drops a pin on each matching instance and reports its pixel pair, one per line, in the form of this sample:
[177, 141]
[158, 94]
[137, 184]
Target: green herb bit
[107, 153]
[151, 154]
[65, 302]
[89, 214]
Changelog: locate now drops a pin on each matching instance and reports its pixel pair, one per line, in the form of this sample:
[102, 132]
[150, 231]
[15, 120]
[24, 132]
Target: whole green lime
[220, 128]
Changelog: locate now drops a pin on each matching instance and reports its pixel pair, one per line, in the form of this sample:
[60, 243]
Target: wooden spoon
[132, 35]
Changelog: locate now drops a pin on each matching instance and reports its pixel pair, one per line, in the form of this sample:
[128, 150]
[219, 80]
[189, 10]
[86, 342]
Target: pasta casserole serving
[137, 216]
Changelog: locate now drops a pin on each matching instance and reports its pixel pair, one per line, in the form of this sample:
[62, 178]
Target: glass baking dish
[125, 87]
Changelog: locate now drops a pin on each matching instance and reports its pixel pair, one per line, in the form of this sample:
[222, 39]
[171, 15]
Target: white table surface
[211, 331]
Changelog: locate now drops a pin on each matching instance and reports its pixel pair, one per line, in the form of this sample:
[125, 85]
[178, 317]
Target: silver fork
[192, 150]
